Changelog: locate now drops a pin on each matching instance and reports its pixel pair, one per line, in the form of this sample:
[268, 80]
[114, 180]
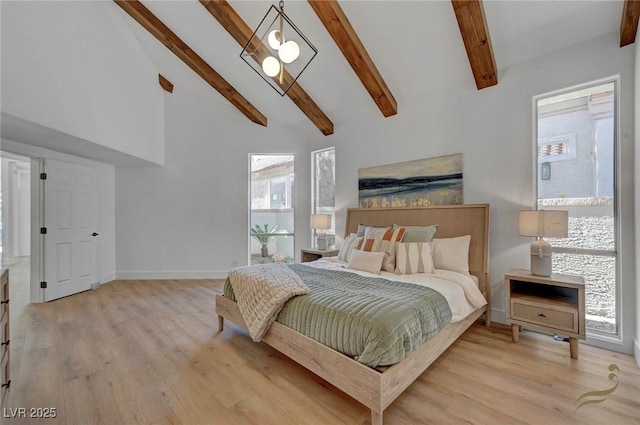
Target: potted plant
[263, 234]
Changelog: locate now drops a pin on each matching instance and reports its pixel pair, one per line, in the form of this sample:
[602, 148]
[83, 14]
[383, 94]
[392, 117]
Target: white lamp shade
[274, 39]
[542, 223]
[289, 51]
[320, 221]
[271, 66]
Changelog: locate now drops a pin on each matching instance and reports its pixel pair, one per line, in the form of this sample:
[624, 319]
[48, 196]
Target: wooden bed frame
[378, 388]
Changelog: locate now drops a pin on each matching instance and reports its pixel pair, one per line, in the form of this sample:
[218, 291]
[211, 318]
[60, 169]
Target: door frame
[105, 204]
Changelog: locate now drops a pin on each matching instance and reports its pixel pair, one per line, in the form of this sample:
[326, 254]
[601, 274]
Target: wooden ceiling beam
[344, 35]
[165, 84]
[159, 30]
[629, 24]
[226, 15]
[475, 34]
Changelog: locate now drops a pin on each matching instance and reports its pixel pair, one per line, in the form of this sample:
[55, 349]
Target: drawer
[4, 334]
[560, 318]
[4, 377]
[4, 297]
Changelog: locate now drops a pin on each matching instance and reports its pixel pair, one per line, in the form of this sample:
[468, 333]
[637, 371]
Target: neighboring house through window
[576, 171]
[271, 215]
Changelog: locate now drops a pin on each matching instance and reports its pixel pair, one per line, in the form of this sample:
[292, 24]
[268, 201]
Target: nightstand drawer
[536, 313]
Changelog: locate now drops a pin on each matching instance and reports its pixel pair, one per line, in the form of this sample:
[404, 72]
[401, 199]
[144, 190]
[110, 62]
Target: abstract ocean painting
[419, 183]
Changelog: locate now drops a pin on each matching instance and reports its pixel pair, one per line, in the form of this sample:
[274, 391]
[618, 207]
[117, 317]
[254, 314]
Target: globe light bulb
[274, 39]
[289, 51]
[271, 66]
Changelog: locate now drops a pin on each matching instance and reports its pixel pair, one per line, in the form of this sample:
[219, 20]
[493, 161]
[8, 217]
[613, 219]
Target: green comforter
[376, 321]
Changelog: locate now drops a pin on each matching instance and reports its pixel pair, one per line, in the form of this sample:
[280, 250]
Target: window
[576, 171]
[271, 212]
[323, 182]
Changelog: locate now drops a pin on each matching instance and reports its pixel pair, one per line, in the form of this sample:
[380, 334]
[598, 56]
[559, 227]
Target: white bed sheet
[460, 290]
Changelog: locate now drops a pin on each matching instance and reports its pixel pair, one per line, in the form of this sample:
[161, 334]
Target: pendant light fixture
[278, 51]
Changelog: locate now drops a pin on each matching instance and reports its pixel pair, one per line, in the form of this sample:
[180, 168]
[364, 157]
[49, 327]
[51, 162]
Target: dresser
[5, 379]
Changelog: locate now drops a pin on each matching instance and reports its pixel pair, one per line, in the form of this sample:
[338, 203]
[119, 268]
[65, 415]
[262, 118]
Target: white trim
[613, 343]
[184, 274]
[636, 351]
[498, 315]
[106, 278]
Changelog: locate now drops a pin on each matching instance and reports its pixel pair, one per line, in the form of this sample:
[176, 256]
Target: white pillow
[413, 258]
[452, 254]
[366, 261]
[350, 243]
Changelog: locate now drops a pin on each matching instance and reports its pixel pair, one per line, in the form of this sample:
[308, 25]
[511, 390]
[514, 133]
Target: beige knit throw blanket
[261, 291]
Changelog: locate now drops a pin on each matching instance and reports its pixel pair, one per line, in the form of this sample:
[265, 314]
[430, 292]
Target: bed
[377, 388]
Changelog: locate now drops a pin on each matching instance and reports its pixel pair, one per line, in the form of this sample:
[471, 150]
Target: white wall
[105, 203]
[637, 193]
[189, 219]
[75, 68]
[493, 130]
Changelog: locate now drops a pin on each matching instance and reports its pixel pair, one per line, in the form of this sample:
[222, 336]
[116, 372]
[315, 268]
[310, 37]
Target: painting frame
[416, 183]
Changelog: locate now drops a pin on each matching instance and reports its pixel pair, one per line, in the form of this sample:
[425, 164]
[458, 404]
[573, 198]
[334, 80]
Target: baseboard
[107, 277]
[142, 275]
[636, 351]
[499, 316]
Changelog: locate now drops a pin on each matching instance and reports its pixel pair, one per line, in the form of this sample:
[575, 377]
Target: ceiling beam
[241, 32]
[344, 35]
[165, 84]
[629, 24]
[475, 34]
[151, 23]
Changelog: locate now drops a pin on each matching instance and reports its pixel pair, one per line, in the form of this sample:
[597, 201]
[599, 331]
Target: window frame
[314, 190]
[616, 338]
[249, 202]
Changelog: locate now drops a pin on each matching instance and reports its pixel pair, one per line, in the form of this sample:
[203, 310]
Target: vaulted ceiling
[394, 51]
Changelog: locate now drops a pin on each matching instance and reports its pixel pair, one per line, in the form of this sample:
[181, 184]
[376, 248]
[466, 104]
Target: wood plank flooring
[149, 353]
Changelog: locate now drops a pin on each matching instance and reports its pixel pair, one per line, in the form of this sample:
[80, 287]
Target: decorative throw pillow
[362, 228]
[413, 257]
[452, 254]
[418, 233]
[350, 243]
[383, 239]
[366, 261]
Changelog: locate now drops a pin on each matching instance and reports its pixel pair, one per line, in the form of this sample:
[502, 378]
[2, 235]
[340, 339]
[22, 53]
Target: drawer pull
[7, 384]
[6, 342]
[541, 315]
[4, 302]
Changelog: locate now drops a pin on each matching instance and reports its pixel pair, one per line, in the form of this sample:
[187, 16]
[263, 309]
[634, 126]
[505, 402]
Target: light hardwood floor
[148, 352]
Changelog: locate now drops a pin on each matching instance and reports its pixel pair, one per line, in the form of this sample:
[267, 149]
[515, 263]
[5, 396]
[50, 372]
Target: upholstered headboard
[452, 220]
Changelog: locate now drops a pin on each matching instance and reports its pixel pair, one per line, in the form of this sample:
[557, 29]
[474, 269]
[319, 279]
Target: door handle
[94, 234]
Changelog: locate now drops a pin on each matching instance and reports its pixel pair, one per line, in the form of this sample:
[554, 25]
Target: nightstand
[554, 304]
[312, 254]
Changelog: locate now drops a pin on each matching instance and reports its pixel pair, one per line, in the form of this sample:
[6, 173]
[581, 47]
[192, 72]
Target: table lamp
[321, 222]
[542, 223]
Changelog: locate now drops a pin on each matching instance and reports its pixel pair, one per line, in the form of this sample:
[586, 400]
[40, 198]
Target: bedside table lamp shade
[321, 222]
[538, 224]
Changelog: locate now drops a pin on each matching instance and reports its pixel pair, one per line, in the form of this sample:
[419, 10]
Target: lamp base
[541, 258]
[321, 241]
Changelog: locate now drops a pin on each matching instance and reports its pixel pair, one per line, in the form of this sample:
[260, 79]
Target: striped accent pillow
[352, 242]
[413, 257]
[383, 239]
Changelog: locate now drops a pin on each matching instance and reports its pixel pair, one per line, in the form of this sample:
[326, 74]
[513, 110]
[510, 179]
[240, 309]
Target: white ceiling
[416, 46]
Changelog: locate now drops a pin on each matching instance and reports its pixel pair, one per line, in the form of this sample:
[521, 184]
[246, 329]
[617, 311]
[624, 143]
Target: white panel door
[70, 217]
